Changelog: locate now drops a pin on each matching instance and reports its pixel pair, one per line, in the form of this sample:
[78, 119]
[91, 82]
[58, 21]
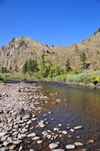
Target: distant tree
[83, 59]
[13, 39]
[10, 68]
[99, 30]
[16, 68]
[3, 47]
[75, 46]
[25, 67]
[52, 45]
[67, 63]
[2, 69]
[46, 45]
[95, 33]
[30, 65]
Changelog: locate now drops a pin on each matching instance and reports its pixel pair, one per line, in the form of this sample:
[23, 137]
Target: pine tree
[68, 68]
[83, 58]
[25, 67]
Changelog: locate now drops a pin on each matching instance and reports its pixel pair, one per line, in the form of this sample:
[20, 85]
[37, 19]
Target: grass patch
[1, 79]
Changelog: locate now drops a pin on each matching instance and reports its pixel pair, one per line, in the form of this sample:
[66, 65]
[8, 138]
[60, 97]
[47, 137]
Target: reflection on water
[82, 107]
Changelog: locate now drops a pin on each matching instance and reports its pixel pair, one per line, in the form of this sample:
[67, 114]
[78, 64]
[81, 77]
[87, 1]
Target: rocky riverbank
[20, 128]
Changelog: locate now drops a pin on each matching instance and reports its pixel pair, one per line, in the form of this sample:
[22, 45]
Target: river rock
[64, 132]
[78, 144]
[31, 135]
[21, 136]
[3, 134]
[53, 145]
[12, 147]
[56, 129]
[20, 148]
[17, 142]
[36, 138]
[39, 141]
[57, 150]
[92, 85]
[23, 114]
[70, 146]
[77, 127]
[4, 138]
[1, 110]
[6, 143]
[58, 100]
[4, 149]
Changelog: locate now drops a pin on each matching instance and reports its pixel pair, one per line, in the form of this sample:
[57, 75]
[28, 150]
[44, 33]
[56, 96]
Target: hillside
[22, 49]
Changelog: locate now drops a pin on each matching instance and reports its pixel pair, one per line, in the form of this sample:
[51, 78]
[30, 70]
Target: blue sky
[57, 22]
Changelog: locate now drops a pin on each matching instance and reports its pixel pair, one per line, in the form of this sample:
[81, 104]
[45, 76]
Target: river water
[79, 106]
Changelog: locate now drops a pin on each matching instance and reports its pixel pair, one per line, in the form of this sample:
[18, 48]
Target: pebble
[57, 150]
[21, 136]
[56, 129]
[20, 148]
[3, 134]
[70, 146]
[12, 146]
[53, 145]
[39, 141]
[77, 127]
[72, 130]
[17, 142]
[78, 144]
[64, 132]
[31, 135]
[36, 138]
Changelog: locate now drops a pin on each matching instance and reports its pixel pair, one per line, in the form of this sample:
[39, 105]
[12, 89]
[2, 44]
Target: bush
[99, 30]
[40, 74]
[1, 79]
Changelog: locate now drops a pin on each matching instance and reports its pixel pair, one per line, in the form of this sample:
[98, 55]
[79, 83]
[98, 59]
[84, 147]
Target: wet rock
[29, 122]
[57, 150]
[53, 145]
[36, 138]
[72, 130]
[56, 129]
[77, 127]
[39, 141]
[78, 144]
[98, 85]
[31, 135]
[58, 100]
[40, 124]
[64, 132]
[92, 85]
[70, 146]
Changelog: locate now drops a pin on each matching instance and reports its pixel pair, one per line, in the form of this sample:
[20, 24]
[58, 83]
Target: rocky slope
[22, 49]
